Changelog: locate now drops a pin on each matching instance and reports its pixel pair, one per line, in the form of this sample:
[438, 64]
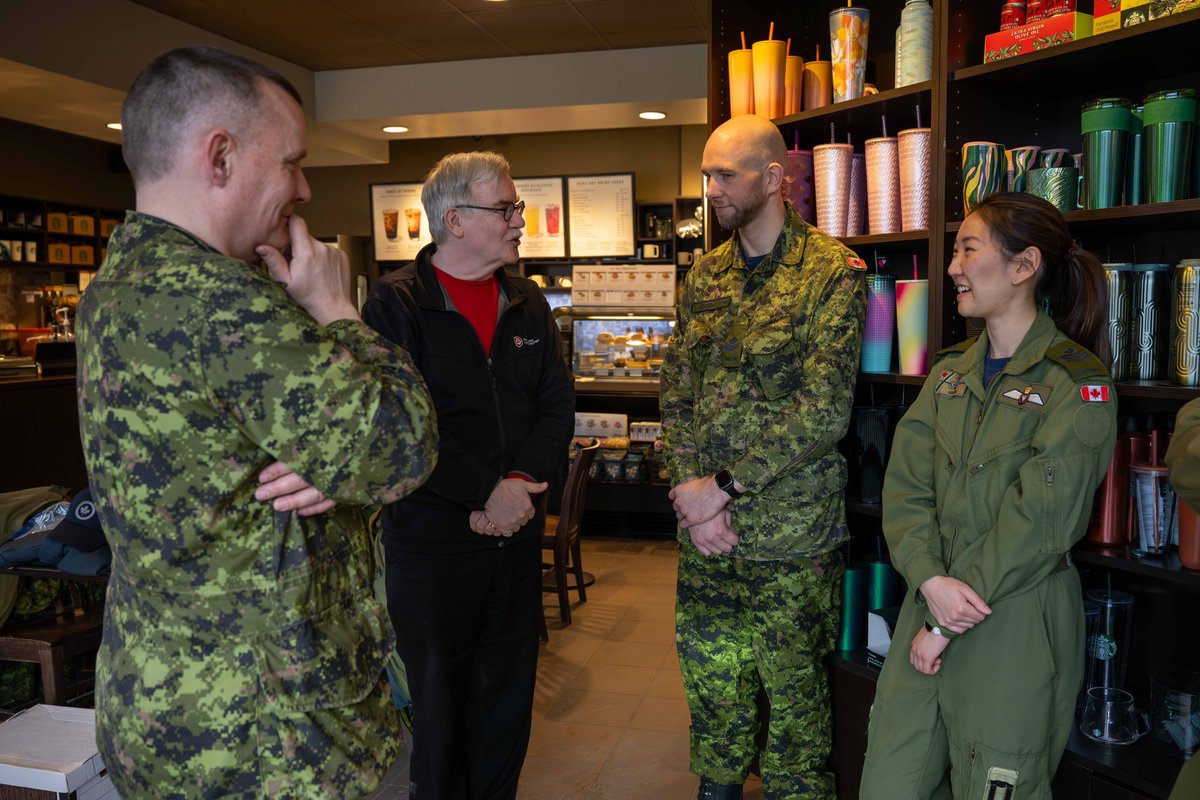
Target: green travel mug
[1135, 172]
[1105, 125]
[1169, 118]
[853, 633]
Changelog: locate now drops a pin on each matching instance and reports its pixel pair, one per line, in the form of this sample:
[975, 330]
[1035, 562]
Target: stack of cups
[881, 320]
[1117, 277]
[741, 82]
[793, 86]
[848, 29]
[1149, 297]
[1105, 124]
[883, 185]
[770, 59]
[800, 190]
[832, 165]
[916, 175]
[1168, 118]
[912, 312]
[983, 172]
[856, 211]
[1185, 318]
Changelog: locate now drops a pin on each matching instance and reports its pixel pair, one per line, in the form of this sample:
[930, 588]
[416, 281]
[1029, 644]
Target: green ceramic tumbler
[1105, 125]
[983, 172]
[1169, 118]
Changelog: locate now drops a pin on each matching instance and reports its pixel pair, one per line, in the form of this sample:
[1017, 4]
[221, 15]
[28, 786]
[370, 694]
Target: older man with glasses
[464, 551]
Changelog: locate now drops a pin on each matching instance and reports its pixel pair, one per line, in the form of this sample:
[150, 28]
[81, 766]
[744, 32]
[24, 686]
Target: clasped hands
[702, 508]
[957, 608]
[508, 508]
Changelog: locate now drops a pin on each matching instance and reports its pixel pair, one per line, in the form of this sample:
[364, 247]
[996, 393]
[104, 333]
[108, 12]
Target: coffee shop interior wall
[665, 159]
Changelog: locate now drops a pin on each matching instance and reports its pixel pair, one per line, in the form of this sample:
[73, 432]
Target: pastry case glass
[626, 346]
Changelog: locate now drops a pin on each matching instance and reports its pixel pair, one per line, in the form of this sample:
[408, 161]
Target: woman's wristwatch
[934, 629]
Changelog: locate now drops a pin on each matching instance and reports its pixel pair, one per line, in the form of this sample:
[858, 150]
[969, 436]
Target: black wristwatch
[725, 484]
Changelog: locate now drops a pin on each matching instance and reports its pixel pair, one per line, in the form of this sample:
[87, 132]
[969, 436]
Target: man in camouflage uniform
[243, 648]
[756, 392]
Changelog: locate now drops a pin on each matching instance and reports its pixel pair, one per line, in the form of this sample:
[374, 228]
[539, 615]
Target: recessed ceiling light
[395, 129]
[652, 115]
[116, 126]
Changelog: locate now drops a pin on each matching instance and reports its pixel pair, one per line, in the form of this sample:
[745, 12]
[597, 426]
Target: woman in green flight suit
[990, 483]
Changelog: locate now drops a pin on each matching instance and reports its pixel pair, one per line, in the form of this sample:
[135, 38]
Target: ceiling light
[652, 115]
[116, 126]
[395, 129]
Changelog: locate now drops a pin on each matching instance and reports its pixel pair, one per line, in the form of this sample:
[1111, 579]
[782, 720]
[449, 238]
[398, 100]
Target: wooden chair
[562, 535]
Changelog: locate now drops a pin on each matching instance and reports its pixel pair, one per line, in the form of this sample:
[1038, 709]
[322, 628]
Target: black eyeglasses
[508, 209]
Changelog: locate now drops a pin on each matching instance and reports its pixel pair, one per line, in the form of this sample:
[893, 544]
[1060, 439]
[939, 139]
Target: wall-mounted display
[399, 227]
[544, 235]
[600, 212]
[623, 285]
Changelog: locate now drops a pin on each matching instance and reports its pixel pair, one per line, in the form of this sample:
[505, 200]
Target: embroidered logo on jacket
[951, 385]
[1094, 394]
[522, 342]
[1023, 396]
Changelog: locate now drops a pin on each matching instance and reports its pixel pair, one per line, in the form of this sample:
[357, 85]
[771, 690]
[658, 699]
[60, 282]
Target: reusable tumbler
[914, 43]
[1184, 363]
[832, 164]
[983, 172]
[1189, 537]
[1105, 125]
[1169, 118]
[854, 613]
[1135, 170]
[883, 583]
[916, 175]
[1150, 302]
[912, 312]
[800, 188]
[1091, 626]
[848, 29]
[883, 185]
[818, 84]
[1055, 157]
[741, 82]
[856, 209]
[1116, 276]
[881, 321]
[1058, 186]
[1155, 508]
[1110, 508]
[1175, 709]
[1108, 649]
[1018, 161]
[872, 432]
[770, 58]
[793, 86]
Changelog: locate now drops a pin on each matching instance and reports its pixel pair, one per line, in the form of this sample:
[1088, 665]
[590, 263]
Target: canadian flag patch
[1094, 394]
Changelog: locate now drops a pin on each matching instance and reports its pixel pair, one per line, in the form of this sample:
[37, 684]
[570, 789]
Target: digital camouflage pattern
[759, 380]
[740, 623]
[243, 648]
[991, 485]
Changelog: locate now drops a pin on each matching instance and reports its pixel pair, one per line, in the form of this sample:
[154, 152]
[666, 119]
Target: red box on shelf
[1107, 15]
[1036, 36]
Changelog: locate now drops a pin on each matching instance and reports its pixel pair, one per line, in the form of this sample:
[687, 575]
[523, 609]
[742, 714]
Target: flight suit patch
[712, 305]
[951, 385]
[1025, 396]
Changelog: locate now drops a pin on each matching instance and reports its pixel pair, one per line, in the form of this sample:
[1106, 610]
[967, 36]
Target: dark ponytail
[1072, 282]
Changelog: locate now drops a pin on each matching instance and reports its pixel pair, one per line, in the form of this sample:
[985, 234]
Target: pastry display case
[622, 351]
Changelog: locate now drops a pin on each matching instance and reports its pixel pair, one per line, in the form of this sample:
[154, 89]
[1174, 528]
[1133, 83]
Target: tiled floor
[609, 718]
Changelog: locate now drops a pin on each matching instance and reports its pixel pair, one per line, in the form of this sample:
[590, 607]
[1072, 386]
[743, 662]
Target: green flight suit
[244, 649]
[759, 380]
[992, 486]
[1183, 458]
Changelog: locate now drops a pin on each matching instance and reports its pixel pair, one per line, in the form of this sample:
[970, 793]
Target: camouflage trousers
[744, 625]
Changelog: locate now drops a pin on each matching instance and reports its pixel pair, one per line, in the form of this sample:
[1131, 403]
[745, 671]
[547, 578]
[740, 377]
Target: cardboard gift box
[1036, 36]
[56, 222]
[107, 226]
[58, 253]
[83, 225]
[83, 254]
[1135, 12]
[1106, 15]
[50, 751]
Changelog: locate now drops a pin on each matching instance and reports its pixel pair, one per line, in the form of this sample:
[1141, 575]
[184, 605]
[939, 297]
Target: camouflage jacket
[993, 484]
[243, 647]
[759, 380]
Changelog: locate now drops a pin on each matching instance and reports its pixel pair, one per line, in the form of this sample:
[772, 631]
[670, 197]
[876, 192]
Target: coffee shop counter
[40, 433]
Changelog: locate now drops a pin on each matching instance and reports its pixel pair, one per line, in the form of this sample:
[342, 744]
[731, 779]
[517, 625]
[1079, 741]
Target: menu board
[600, 211]
[623, 285]
[399, 227]
[542, 236]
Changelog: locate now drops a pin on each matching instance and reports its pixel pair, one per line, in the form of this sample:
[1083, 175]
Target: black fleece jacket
[508, 411]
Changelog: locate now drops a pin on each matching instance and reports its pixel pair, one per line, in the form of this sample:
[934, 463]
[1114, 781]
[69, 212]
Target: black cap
[81, 527]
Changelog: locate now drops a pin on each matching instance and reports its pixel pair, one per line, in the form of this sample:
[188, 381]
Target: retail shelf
[1142, 766]
[1170, 40]
[1164, 568]
[884, 239]
[854, 661]
[617, 386]
[860, 116]
[865, 509]
[1162, 390]
[890, 377]
[1176, 215]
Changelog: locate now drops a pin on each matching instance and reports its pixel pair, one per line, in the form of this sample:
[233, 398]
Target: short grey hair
[449, 184]
[177, 87]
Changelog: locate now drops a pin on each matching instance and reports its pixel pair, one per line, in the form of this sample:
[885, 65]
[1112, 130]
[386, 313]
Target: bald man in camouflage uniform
[236, 420]
[756, 392]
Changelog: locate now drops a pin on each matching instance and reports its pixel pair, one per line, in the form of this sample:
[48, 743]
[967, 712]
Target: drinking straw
[743, 40]
[916, 275]
[796, 141]
[788, 50]
[832, 135]
[771, 31]
[875, 255]
[918, 116]
[883, 123]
